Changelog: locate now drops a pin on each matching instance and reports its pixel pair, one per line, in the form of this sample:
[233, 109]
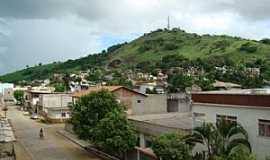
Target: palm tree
[230, 135]
[204, 135]
[220, 139]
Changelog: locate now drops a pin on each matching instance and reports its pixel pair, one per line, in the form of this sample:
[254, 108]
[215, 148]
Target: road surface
[53, 147]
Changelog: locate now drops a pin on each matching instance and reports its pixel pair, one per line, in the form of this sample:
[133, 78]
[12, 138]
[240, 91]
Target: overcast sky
[33, 31]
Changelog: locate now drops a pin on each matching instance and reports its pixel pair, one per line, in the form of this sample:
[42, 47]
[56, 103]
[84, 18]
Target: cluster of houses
[156, 114]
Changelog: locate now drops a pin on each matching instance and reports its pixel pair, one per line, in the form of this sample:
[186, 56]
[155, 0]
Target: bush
[172, 147]
[248, 47]
[170, 46]
[18, 95]
[59, 87]
[265, 41]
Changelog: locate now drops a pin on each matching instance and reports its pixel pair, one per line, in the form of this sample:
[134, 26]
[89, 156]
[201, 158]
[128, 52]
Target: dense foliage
[220, 140]
[59, 87]
[90, 109]
[19, 96]
[223, 141]
[114, 133]
[172, 146]
[100, 118]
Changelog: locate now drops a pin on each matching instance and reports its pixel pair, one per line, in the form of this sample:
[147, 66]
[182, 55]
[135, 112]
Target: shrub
[248, 47]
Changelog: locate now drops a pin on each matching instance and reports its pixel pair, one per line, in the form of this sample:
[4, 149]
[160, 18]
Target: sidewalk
[74, 139]
[86, 145]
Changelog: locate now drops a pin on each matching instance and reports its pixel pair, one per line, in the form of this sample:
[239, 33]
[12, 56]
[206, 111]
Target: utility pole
[168, 25]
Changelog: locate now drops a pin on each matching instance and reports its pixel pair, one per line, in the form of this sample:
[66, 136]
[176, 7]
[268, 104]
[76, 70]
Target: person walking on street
[41, 134]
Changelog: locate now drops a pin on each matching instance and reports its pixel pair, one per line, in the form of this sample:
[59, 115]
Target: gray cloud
[33, 31]
[92, 9]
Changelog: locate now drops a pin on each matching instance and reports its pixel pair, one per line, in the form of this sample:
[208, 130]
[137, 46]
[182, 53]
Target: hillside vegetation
[151, 48]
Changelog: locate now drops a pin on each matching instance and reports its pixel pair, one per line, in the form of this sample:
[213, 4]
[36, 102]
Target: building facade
[151, 125]
[136, 102]
[54, 107]
[250, 109]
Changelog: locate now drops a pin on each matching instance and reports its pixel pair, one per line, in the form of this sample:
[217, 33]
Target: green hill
[152, 47]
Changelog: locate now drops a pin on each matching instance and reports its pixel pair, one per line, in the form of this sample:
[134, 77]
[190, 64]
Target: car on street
[34, 116]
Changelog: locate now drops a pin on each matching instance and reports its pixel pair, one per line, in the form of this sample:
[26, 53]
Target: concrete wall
[178, 103]
[127, 97]
[156, 103]
[55, 100]
[246, 116]
[3, 86]
[57, 114]
[54, 106]
[8, 94]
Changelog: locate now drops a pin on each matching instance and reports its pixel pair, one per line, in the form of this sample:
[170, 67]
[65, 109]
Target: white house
[54, 107]
[250, 108]
[6, 90]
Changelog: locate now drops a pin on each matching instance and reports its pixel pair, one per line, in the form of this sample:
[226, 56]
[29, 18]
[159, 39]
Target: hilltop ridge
[150, 48]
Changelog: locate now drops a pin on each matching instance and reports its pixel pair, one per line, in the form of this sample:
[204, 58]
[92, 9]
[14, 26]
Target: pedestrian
[41, 134]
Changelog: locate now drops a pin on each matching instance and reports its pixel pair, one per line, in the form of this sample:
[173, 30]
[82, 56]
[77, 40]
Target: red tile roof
[99, 88]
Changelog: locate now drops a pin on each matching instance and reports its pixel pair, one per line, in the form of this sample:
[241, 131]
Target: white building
[54, 107]
[6, 90]
[250, 108]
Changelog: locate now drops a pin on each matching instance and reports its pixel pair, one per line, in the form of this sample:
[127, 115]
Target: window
[148, 143]
[231, 119]
[63, 114]
[264, 128]
[139, 101]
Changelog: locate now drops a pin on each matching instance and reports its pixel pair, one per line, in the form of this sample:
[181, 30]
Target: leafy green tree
[114, 133]
[18, 95]
[265, 41]
[146, 66]
[205, 83]
[179, 82]
[66, 80]
[170, 61]
[122, 81]
[172, 146]
[248, 47]
[95, 75]
[90, 109]
[151, 91]
[59, 87]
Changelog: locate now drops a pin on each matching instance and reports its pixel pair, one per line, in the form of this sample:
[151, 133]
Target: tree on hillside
[18, 95]
[170, 61]
[59, 87]
[95, 75]
[179, 82]
[114, 134]
[90, 109]
[172, 146]
[66, 80]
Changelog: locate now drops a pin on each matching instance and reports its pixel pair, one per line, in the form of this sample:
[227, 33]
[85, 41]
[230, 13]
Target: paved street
[53, 147]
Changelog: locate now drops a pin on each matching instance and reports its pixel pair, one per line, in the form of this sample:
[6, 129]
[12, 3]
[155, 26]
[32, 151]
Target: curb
[87, 146]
